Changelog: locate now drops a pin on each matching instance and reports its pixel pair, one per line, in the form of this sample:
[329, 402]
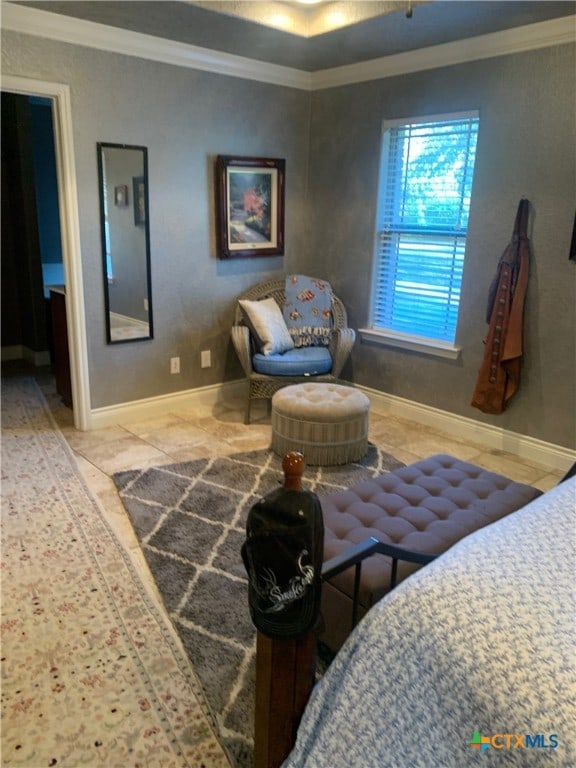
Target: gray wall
[526, 148]
[186, 119]
[330, 141]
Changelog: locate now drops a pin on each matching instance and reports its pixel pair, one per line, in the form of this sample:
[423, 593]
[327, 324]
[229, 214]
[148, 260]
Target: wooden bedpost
[284, 672]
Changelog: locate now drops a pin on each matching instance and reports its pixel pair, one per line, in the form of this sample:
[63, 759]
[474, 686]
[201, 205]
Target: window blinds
[424, 202]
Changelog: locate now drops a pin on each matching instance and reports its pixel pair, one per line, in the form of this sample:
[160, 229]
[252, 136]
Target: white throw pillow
[268, 325]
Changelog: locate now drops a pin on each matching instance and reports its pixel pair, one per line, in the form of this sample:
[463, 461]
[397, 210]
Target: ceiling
[365, 31]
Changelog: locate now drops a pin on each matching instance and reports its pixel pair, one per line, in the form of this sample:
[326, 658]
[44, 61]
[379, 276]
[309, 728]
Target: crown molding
[530, 37]
[65, 29]
[53, 26]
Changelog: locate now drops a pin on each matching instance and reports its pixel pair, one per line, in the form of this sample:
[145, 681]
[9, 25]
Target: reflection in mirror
[123, 174]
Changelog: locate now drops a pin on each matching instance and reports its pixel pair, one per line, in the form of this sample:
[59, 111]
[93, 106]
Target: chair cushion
[265, 320]
[302, 361]
[308, 310]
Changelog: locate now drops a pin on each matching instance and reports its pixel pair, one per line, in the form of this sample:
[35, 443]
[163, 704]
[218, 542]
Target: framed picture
[139, 190]
[250, 206]
[121, 195]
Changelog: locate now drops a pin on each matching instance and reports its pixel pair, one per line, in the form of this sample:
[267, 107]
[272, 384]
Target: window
[424, 201]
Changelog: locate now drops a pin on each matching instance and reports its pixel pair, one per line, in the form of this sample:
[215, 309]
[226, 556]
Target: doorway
[31, 243]
[59, 97]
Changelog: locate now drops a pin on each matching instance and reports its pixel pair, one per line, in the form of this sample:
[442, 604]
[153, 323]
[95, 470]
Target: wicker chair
[261, 386]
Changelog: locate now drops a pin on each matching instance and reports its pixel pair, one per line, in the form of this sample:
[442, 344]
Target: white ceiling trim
[53, 26]
[526, 38]
[65, 29]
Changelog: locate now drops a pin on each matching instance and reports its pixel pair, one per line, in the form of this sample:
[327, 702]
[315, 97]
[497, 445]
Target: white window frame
[387, 336]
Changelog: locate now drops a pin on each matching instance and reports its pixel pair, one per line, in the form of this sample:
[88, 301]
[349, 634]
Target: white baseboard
[529, 448]
[21, 352]
[525, 447]
[116, 319]
[152, 406]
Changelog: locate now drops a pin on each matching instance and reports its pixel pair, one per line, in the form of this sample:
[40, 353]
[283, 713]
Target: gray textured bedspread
[477, 647]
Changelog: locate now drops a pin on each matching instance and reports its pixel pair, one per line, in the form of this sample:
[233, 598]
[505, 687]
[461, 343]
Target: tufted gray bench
[424, 507]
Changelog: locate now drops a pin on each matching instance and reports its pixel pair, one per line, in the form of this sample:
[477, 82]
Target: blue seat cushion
[301, 361]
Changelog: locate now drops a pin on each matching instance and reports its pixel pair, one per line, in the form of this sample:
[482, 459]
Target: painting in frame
[250, 206]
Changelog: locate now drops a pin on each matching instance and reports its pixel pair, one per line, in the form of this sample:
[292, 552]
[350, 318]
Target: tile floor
[195, 432]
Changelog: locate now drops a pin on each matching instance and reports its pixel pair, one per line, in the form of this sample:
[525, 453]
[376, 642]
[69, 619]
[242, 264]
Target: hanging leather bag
[499, 374]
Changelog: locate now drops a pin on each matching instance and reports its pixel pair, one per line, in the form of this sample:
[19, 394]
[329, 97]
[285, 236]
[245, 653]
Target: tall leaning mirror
[123, 176]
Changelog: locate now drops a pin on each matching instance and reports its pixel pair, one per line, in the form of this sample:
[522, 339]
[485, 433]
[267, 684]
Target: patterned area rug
[190, 519]
[91, 671]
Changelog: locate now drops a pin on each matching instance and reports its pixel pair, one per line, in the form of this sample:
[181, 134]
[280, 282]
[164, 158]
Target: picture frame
[121, 195]
[139, 192]
[250, 206]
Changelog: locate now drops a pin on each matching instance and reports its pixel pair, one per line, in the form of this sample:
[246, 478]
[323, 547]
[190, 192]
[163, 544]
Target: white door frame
[70, 232]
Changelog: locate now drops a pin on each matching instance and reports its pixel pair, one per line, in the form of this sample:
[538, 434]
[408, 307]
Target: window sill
[431, 347]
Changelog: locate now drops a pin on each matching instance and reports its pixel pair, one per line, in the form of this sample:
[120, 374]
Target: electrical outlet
[205, 358]
[145, 305]
[174, 365]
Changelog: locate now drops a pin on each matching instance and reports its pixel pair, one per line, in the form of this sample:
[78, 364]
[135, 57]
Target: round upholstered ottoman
[328, 423]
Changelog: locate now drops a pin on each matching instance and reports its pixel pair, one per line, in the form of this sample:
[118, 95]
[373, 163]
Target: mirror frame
[100, 147]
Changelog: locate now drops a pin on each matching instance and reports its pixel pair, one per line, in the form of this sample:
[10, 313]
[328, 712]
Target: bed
[473, 654]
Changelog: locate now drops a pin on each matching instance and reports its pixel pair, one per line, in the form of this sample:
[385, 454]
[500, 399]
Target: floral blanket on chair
[308, 310]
